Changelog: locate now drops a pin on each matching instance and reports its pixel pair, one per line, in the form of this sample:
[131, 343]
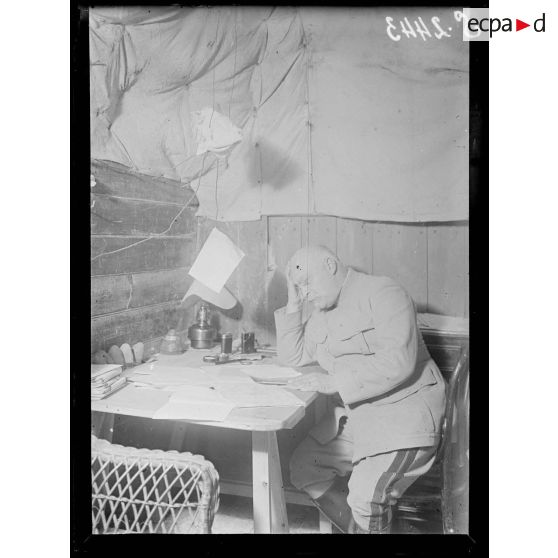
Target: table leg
[270, 511]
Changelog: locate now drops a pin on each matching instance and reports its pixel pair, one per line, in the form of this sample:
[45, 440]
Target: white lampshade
[223, 299]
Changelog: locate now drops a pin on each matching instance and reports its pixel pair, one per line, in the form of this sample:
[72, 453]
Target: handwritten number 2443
[420, 29]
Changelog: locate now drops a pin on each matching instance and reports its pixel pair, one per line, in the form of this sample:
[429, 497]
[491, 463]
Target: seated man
[385, 426]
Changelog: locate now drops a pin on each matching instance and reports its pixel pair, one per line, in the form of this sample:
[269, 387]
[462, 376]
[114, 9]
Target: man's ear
[330, 265]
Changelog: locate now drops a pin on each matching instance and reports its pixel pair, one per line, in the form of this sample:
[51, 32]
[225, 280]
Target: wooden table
[270, 513]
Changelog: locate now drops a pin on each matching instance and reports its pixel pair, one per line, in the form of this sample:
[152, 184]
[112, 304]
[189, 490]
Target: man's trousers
[375, 482]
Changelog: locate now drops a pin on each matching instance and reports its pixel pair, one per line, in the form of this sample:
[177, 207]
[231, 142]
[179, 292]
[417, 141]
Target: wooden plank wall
[429, 260]
[135, 291]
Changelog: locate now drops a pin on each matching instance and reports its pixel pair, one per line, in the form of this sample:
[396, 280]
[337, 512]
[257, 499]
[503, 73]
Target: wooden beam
[132, 326]
[152, 254]
[155, 287]
[117, 180]
[110, 293]
[114, 293]
[120, 216]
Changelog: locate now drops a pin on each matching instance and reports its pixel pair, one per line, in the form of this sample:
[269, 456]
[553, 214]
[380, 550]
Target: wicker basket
[151, 491]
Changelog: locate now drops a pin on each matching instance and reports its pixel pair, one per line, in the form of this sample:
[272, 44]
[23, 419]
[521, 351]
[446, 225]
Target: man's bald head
[319, 274]
[309, 258]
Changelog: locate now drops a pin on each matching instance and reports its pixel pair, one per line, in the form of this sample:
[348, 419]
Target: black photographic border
[300, 545]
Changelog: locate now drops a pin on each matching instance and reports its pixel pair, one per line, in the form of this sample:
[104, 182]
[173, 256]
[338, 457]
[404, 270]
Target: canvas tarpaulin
[336, 118]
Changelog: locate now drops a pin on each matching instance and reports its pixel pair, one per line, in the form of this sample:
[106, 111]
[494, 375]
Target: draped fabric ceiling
[336, 117]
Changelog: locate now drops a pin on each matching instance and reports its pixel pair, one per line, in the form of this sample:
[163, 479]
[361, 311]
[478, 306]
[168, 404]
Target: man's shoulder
[367, 284]
[377, 291]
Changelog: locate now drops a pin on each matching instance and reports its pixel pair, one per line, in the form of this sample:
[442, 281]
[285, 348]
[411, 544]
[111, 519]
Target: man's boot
[333, 504]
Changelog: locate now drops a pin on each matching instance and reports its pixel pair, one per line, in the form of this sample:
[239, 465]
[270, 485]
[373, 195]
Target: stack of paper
[163, 376]
[106, 379]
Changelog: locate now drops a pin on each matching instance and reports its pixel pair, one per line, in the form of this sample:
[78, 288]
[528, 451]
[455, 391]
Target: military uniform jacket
[391, 389]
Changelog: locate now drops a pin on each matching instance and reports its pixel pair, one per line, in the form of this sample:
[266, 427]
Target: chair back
[457, 375]
[454, 456]
[151, 491]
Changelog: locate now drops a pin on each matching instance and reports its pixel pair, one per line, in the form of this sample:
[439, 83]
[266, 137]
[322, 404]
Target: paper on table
[216, 261]
[171, 375]
[255, 395]
[269, 372]
[227, 373]
[195, 403]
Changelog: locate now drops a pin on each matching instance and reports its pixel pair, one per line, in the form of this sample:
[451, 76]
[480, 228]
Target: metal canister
[247, 342]
[226, 343]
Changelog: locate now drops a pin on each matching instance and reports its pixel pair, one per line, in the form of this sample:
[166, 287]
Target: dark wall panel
[137, 282]
[114, 255]
[113, 293]
[116, 180]
[110, 293]
[120, 216]
[131, 326]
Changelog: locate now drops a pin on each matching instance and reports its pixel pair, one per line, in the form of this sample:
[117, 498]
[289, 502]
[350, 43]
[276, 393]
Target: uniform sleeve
[294, 346]
[359, 377]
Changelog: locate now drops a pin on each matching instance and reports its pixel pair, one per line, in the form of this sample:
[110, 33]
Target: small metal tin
[226, 343]
[247, 342]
